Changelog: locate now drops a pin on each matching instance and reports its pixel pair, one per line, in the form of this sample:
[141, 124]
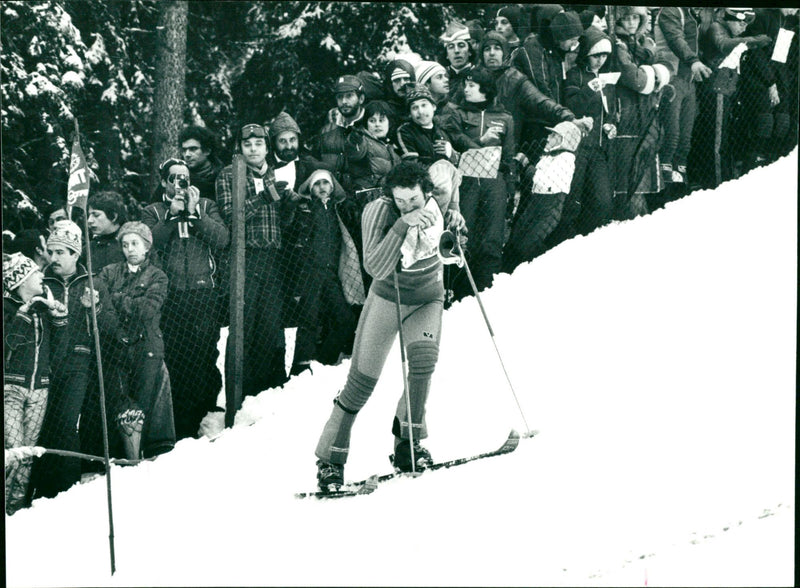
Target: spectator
[58, 213]
[370, 155]
[200, 148]
[676, 36]
[264, 341]
[591, 18]
[509, 23]
[476, 33]
[137, 290]
[32, 244]
[586, 94]
[398, 77]
[718, 43]
[405, 228]
[189, 234]
[26, 366]
[459, 56]
[546, 216]
[328, 272]
[71, 355]
[526, 104]
[433, 76]
[291, 166]
[762, 114]
[479, 122]
[107, 214]
[349, 92]
[644, 75]
[422, 139]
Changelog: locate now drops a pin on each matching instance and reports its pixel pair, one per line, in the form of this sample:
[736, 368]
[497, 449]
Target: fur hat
[137, 228]
[66, 233]
[455, 31]
[425, 70]
[494, 37]
[282, 123]
[16, 269]
[419, 92]
[566, 25]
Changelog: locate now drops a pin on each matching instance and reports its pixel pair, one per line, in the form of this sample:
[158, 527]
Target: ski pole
[405, 374]
[460, 253]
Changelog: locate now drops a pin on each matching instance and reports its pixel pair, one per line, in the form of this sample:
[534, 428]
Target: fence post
[234, 365]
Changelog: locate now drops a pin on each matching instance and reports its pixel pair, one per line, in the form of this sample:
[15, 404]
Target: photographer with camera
[189, 235]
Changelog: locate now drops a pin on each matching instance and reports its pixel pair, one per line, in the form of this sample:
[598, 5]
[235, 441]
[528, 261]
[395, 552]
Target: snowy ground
[656, 357]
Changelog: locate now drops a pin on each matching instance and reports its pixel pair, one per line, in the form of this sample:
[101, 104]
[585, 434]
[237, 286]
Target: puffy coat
[189, 262]
[138, 299]
[368, 159]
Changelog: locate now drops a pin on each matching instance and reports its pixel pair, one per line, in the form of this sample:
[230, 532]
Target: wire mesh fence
[277, 262]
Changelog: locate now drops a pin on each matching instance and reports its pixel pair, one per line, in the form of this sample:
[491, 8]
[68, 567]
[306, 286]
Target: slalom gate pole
[101, 386]
[460, 252]
[405, 372]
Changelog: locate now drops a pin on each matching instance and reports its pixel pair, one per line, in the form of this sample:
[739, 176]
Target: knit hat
[305, 188]
[319, 174]
[476, 31]
[745, 15]
[542, 15]
[565, 25]
[281, 124]
[419, 92]
[494, 37]
[16, 269]
[455, 31]
[514, 16]
[66, 233]
[484, 78]
[348, 84]
[425, 70]
[399, 73]
[137, 228]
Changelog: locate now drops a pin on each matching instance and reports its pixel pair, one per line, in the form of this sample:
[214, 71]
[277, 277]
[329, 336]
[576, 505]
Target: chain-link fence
[279, 268]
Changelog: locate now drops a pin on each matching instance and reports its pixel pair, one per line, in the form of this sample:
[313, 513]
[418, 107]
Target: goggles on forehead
[253, 131]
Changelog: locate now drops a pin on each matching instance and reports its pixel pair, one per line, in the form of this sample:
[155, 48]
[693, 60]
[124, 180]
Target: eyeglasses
[253, 131]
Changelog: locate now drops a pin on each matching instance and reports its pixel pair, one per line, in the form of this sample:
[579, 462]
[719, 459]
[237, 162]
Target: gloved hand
[644, 50]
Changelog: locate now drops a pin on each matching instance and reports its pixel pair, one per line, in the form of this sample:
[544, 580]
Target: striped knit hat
[16, 269]
[425, 70]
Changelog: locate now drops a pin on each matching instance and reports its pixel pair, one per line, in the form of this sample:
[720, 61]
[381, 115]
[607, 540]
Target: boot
[330, 476]
[402, 456]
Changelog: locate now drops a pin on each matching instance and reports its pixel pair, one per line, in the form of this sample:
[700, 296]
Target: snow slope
[656, 357]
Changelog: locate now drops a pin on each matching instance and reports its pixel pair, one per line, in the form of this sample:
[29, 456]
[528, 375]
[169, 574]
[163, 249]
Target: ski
[369, 485]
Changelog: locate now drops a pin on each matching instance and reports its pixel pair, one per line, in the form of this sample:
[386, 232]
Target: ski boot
[330, 476]
[402, 457]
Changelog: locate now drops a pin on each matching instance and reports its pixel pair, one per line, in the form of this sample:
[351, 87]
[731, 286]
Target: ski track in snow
[656, 357]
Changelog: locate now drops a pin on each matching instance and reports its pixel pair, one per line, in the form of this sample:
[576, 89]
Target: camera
[181, 183]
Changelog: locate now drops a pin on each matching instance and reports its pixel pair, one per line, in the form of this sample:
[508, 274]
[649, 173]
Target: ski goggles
[252, 130]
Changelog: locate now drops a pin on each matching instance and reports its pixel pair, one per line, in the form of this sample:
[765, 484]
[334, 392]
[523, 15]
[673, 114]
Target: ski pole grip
[448, 253]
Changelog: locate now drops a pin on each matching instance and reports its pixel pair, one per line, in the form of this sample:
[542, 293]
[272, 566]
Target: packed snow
[655, 357]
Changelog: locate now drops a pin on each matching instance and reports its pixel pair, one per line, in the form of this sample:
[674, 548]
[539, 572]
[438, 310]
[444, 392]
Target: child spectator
[328, 273]
[137, 290]
[546, 217]
[369, 153]
[26, 365]
[587, 95]
[422, 139]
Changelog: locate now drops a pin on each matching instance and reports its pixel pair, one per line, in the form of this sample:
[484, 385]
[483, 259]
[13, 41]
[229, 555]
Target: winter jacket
[718, 42]
[105, 251]
[26, 343]
[542, 65]
[678, 28]
[417, 143]
[758, 70]
[368, 159]
[189, 262]
[331, 145]
[467, 124]
[138, 299]
[317, 234]
[525, 103]
[77, 336]
[457, 80]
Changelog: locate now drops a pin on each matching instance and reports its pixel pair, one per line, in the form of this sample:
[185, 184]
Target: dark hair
[26, 242]
[377, 107]
[208, 140]
[484, 78]
[111, 203]
[408, 174]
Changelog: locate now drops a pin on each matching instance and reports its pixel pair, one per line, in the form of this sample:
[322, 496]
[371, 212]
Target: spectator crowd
[538, 124]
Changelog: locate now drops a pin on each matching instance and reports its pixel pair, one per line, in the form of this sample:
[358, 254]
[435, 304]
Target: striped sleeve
[381, 252]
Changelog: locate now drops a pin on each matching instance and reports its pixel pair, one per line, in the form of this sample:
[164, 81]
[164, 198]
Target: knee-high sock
[422, 357]
[334, 443]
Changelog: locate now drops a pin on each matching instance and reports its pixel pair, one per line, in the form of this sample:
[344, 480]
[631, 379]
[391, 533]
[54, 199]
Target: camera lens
[183, 184]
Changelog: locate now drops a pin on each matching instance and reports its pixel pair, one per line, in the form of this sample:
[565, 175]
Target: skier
[401, 233]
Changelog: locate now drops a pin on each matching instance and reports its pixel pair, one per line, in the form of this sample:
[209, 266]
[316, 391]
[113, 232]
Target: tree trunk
[170, 83]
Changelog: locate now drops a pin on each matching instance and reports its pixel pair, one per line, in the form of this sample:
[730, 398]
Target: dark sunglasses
[253, 131]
